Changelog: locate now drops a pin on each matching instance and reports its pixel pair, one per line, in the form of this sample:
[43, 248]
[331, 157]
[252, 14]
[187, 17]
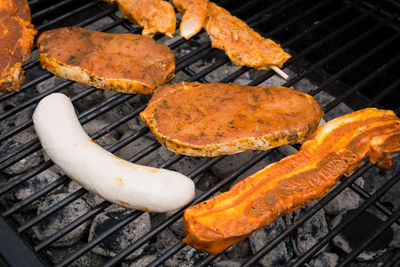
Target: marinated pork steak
[16, 42]
[126, 63]
[215, 119]
[155, 16]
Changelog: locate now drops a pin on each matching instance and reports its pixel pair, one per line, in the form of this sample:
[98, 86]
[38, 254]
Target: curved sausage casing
[116, 180]
[335, 148]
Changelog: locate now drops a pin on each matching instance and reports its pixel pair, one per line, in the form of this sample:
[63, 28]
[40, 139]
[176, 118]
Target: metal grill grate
[349, 49]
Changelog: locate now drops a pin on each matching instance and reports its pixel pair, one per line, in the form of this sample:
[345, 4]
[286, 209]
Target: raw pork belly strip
[242, 44]
[337, 147]
[214, 119]
[16, 42]
[155, 16]
[126, 63]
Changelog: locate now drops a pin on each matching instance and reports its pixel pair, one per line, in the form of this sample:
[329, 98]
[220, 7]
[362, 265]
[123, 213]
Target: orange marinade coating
[127, 63]
[280, 188]
[243, 45]
[194, 14]
[16, 42]
[216, 119]
[155, 16]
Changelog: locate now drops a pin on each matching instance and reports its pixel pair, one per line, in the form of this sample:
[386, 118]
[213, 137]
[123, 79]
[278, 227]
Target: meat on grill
[242, 44]
[216, 119]
[280, 188]
[194, 15]
[16, 42]
[126, 63]
[155, 16]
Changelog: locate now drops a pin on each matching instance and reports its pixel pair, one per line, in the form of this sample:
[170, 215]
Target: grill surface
[348, 49]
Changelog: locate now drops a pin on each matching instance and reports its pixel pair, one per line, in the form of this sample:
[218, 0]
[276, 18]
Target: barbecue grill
[347, 49]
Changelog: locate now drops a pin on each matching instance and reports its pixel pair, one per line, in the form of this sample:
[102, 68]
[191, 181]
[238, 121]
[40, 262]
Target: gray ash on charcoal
[122, 238]
[279, 255]
[55, 222]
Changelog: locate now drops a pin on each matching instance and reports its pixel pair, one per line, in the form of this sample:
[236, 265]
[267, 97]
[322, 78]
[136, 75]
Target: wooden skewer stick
[280, 72]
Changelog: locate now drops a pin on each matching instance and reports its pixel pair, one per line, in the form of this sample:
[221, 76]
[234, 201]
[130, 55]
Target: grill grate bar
[52, 8]
[393, 261]
[388, 185]
[65, 16]
[326, 19]
[384, 93]
[298, 17]
[77, 194]
[38, 169]
[364, 194]
[315, 45]
[169, 253]
[353, 42]
[332, 35]
[34, 100]
[65, 230]
[356, 63]
[361, 83]
[380, 230]
[154, 146]
[199, 78]
[36, 196]
[129, 218]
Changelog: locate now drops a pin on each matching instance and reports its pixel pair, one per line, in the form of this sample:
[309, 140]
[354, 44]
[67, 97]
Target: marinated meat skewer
[243, 45]
[194, 15]
[155, 16]
[126, 63]
[336, 148]
[16, 42]
[217, 119]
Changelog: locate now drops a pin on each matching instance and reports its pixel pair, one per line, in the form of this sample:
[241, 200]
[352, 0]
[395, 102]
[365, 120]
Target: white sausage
[116, 180]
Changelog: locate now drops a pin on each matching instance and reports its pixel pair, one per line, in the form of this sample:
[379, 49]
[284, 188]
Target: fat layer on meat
[16, 42]
[126, 63]
[215, 119]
